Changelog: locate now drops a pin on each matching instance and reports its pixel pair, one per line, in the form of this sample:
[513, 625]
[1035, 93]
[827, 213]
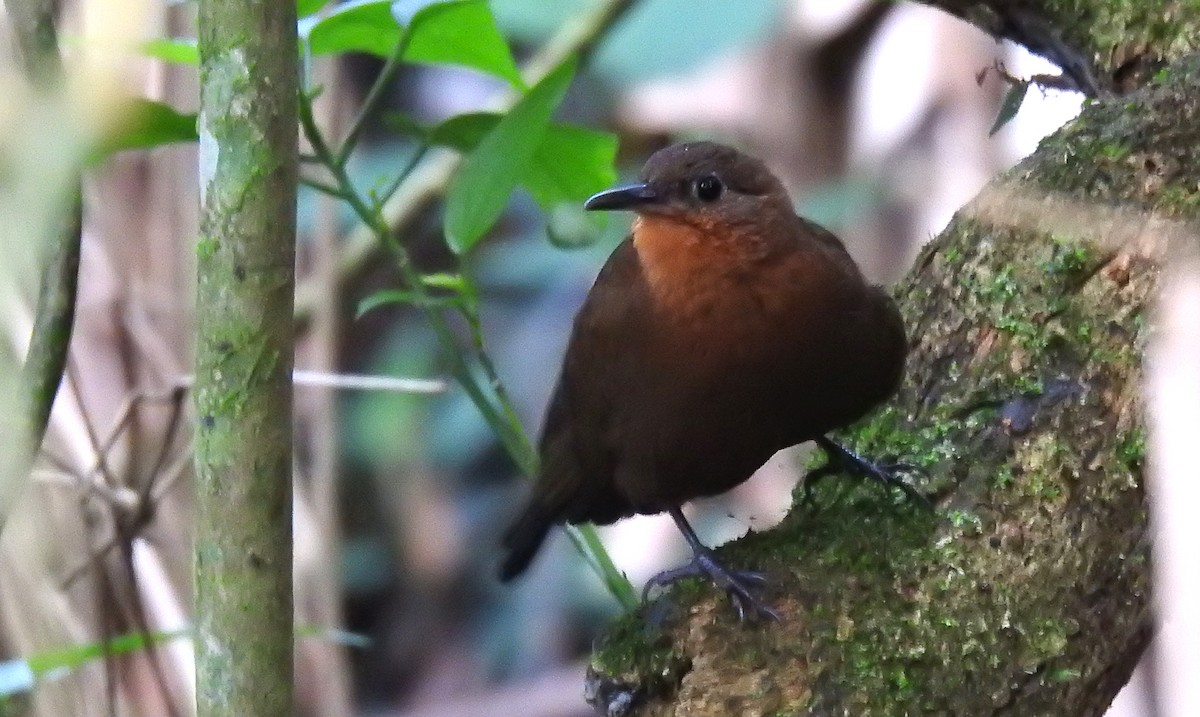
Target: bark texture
[246, 278]
[1027, 591]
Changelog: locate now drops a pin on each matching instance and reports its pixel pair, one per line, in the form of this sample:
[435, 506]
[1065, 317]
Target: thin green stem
[497, 386]
[374, 95]
[490, 397]
[614, 579]
[371, 217]
[322, 187]
[383, 197]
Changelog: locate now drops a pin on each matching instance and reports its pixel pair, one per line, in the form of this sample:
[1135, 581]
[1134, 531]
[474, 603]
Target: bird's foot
[742, 586]
[840, 459]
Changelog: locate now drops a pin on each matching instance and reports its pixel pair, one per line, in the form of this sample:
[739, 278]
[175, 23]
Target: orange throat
[685, 262]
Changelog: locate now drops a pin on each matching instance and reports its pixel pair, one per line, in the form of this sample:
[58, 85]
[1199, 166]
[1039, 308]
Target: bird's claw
[739, 585]
[840, 459]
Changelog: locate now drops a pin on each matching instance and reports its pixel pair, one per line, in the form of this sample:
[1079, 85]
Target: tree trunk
[246, 278]
[1027, 593]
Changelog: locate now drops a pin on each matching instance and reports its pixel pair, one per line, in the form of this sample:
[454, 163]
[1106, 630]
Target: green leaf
[180, 50]
[43, 663]
[308, 7]
[366, 26]
[457, 284]
[465, 292]
[444, 280]
[1010, 106]
[571, 163]
[451, 32]
[464, 132]
[406, 124]
[461, 32]
[72, 657]
[383, 298]
[479, 192]
[400, 296]
[148, 124]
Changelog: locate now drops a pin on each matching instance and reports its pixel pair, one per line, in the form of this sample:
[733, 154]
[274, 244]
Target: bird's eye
[709, 188]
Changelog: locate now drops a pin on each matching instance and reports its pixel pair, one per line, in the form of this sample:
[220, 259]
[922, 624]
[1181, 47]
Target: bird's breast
[693, 269]
[711, 284]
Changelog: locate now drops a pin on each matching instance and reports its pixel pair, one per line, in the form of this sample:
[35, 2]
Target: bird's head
[704, 184]
[704, 212]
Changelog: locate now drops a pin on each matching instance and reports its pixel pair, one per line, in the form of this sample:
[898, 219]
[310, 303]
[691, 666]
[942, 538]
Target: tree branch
[1028, 592]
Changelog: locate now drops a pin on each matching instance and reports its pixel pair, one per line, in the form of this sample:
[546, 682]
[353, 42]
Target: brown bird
[724, 329]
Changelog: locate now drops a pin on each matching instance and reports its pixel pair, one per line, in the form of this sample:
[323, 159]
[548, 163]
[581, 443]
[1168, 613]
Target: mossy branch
[1028, 591]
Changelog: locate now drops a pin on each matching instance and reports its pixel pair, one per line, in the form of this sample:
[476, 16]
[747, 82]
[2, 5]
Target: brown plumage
[723, 330]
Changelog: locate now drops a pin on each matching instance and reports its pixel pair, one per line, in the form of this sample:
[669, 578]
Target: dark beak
[631, 197]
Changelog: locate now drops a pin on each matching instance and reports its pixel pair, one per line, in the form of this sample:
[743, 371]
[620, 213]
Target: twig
[357, 382]
[1044, 81]
[353, 382]
[171, 476]
[128, 522]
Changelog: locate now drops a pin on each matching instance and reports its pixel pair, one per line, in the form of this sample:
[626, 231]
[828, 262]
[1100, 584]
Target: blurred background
[877, 115]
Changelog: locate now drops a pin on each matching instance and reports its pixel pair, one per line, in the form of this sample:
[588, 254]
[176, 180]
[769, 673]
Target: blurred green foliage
[657, 38]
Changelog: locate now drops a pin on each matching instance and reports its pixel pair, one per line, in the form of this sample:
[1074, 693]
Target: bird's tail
[524, 537]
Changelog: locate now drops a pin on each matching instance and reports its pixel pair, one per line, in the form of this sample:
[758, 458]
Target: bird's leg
[739, 585]
[841, 459]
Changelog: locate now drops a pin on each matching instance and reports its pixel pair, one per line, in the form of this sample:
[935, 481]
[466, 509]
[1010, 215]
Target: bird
[724, 328]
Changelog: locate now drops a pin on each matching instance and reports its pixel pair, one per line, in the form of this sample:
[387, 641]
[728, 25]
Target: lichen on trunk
[1027, 590]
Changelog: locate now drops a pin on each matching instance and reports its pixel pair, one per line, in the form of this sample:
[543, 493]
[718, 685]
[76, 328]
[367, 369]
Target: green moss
[1064, 674]
[1181, 201]
[1120, 152]
[631, 652]
[206, 247]
[1045, 638]
[1131, 449]
[1069, 258]
[1003, 478]
[1117, 31]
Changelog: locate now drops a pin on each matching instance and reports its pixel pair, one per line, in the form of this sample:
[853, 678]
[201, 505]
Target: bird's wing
[577, 453]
